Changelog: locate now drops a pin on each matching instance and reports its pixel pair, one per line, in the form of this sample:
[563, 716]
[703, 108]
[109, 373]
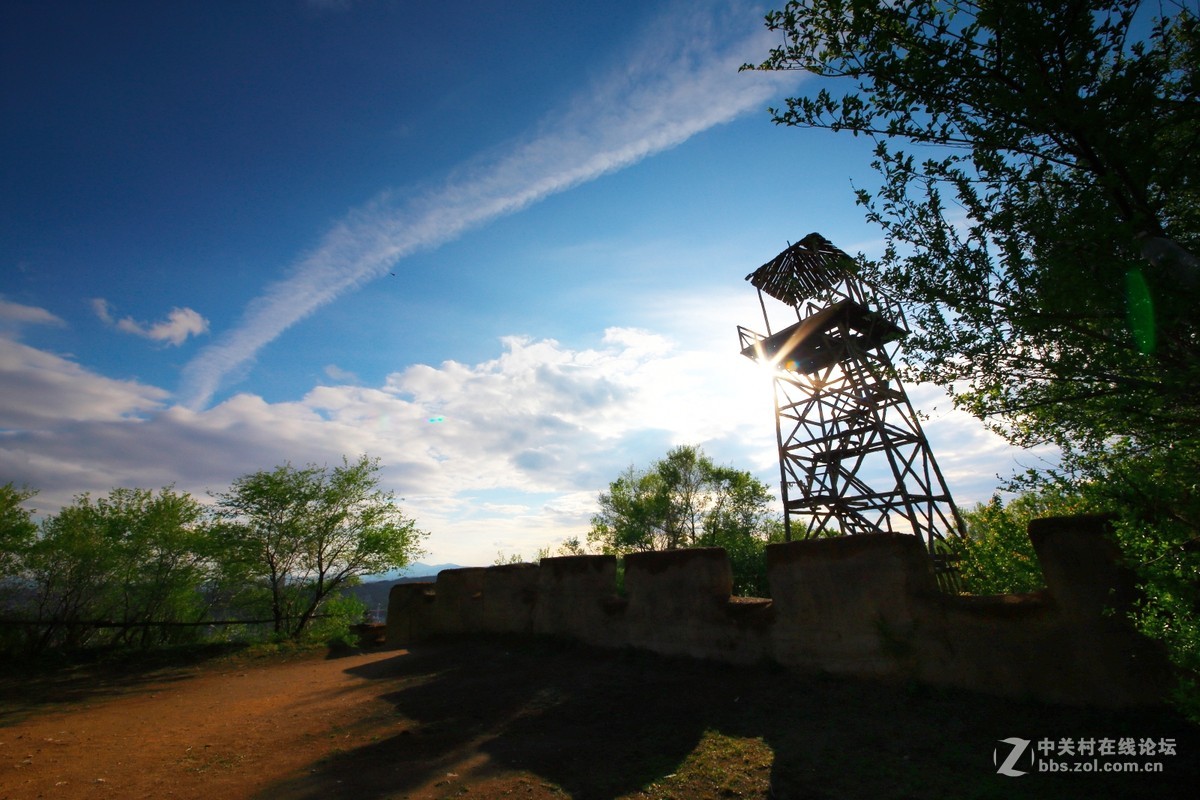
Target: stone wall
[861, 605]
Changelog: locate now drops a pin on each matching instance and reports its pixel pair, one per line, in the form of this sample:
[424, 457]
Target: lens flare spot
[437, 419]
[1140, 308]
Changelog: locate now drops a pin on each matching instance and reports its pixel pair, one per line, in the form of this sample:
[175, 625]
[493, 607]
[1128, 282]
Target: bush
[996, 556]
[332, 626]
[1152, 495]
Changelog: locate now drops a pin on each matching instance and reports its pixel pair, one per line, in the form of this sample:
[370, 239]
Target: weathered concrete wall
[577, 597]
[861, 605]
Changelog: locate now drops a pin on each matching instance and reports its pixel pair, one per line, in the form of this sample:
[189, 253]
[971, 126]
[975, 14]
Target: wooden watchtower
[852, 455]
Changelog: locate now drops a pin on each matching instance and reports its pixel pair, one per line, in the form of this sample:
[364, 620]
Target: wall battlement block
[864, 605]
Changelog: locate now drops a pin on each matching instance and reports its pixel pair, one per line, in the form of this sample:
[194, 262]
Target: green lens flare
[1140, 307]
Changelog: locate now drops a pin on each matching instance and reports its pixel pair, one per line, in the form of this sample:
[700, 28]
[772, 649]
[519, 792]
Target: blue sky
[241, 234]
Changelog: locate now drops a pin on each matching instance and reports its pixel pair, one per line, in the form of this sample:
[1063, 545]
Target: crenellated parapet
[864, 605]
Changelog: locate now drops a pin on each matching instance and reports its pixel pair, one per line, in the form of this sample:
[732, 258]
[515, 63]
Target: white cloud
[679, 79]
[100, 306]
[175, 329]
[43, 389]
[336, 373]
[16, 314]
[525, 440]
[973, 459]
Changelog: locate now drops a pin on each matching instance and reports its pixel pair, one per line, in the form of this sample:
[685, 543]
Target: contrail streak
[680, 79]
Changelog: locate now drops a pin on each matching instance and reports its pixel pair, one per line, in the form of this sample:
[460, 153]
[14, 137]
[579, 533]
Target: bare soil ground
[536, 720]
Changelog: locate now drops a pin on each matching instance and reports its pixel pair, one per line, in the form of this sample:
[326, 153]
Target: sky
[501, 247]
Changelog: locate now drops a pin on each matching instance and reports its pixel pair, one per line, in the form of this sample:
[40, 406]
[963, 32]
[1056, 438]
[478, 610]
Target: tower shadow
[596, 725]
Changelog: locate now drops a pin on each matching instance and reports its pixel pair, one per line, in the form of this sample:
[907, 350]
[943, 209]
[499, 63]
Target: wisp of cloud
[680, 79]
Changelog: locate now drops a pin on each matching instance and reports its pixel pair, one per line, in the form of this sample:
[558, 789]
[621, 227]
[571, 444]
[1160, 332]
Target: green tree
[1045, 245]
[303, 533]
[68, 569]
[164, 547]
[1153, 498]
[134, 558]
[1153, 494]
[17, 533]
[995, 556]
[632, 514]
[17, 528]
[685, 500]
[571, 546]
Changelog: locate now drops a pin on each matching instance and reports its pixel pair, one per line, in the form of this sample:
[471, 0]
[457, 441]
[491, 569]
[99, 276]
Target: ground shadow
[33, 685]
[601, 724]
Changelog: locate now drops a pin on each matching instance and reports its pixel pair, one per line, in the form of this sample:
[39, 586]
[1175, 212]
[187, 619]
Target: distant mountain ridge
[417, 569]
[374, 589]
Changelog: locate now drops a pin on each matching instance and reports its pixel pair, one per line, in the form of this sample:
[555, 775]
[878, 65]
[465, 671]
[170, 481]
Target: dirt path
[223, 732]
[536, 721]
